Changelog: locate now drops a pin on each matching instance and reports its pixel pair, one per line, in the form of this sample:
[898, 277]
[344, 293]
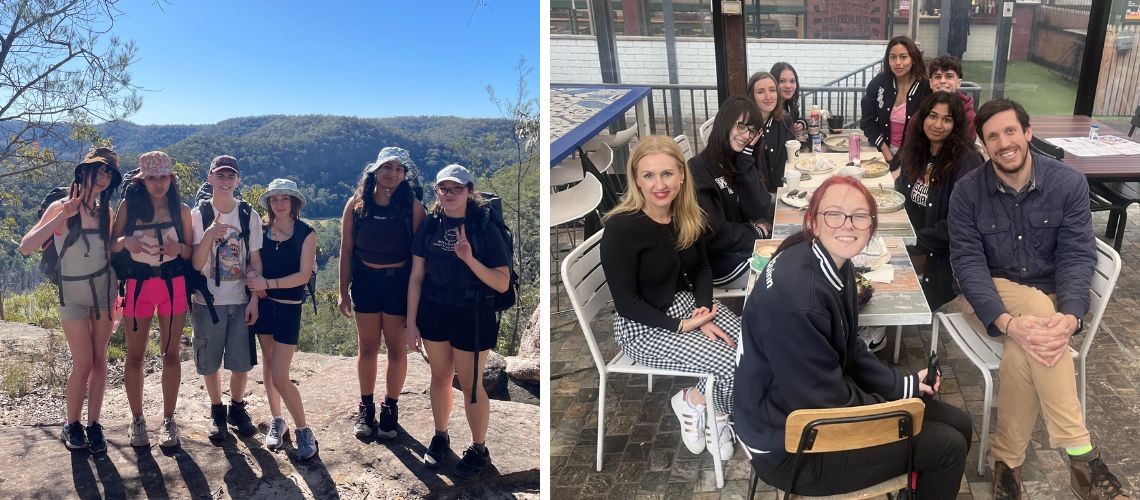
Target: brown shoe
[1007, 482]
[1091, 479]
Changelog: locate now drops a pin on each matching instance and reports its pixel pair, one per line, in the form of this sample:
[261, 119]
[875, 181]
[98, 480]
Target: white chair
[705, 130]
[985, 352]
[566, 206]
[570, 170]
[585, 283]
[686, 147]
[622, 137]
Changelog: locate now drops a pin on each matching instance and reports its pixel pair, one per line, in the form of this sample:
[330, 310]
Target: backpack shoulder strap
[245, 212]
[206, 208]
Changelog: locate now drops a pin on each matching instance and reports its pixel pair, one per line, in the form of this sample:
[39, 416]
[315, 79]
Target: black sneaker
[95, 440]
[389, 416]
[437, 451]
[365, 420]
[240, 418]
[73, 437]
[217, 427]
[472, 463]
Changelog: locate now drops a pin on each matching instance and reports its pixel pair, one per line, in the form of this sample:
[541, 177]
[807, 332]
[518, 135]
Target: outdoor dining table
[578, 113]
[1096, 168]
[897, 303]
[787, 219]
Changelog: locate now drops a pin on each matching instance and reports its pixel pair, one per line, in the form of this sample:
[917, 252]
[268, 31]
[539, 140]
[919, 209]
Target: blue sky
[202, 61]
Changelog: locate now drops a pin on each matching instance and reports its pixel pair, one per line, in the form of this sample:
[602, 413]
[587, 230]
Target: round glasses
[836, 219]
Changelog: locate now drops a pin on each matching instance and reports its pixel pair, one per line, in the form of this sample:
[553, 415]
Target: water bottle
[853, 147]
[816, 143]
[1094, 131]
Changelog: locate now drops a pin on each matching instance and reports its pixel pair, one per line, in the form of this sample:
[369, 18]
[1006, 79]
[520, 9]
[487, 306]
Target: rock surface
[527, 366]
[37, 464]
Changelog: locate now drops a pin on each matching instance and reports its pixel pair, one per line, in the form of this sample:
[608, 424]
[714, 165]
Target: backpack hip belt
[90, 279]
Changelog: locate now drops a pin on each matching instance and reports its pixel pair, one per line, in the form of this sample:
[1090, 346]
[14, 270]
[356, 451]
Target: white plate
[874, 255]
[815, 165]
[795, 200]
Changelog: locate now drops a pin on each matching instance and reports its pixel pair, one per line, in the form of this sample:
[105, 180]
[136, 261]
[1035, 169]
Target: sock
[389, 401]
[441, 433]
[480, 447]
[1079, 450]
[367, 400]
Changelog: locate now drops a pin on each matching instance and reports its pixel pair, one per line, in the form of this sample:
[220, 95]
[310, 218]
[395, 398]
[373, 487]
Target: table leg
[641, 112]
[898, 342]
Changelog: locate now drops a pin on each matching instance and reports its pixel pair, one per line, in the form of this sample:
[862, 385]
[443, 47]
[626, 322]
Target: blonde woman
[653, 253]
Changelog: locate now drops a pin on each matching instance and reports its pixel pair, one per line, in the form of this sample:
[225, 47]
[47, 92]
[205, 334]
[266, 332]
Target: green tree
[60, 68]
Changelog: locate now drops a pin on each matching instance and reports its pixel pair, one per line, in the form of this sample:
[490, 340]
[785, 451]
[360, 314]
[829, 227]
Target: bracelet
[1007, 322]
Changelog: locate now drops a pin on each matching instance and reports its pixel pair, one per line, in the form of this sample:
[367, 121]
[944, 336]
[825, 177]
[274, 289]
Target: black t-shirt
[441, 267]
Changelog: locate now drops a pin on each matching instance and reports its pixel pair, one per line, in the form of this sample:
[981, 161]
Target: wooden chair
[985, 352]
[585, 283]
[850, 428]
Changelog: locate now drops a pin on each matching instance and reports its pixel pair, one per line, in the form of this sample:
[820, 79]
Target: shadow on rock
[150, 475]
[192, 475]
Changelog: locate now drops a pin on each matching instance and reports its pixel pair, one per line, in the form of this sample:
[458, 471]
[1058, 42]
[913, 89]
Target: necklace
[281, 234]
[92, 211]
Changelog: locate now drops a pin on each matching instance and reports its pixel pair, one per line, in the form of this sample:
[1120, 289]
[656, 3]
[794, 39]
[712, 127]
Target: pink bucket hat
[154, 164]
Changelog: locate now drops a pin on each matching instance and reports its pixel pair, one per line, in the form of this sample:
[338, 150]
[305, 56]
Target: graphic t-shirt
[441, 267]
[232, 255]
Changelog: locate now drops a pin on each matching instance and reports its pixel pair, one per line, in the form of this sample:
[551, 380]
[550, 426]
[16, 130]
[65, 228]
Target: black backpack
[49, 261]
[492, 215]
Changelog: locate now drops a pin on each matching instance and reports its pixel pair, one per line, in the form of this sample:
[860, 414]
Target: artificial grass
[1041, 91]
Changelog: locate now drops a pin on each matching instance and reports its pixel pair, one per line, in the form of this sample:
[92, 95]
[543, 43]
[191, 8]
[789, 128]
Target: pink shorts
[154, 295]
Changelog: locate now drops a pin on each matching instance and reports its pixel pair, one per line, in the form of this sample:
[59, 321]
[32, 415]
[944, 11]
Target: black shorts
[379, 290]
[454, 324]
[283, 321]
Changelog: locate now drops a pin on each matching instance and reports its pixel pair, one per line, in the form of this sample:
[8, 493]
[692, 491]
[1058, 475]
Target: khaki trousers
[1029, 387]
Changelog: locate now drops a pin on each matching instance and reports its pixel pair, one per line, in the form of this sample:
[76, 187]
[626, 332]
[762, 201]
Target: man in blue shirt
[1023, 254]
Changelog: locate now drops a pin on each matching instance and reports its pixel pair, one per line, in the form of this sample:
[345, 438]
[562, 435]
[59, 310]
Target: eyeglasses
[453, 190]
[836, 219]
[744, 128]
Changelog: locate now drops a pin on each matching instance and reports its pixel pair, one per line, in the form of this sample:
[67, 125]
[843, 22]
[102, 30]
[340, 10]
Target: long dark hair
[364, 204]
[917, 65]
[718, 151]
[81, 188]
[808, 232]
[915, 153]
[792, 105]
[140, 208]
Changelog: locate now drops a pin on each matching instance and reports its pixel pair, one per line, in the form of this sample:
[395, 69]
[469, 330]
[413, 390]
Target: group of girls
[405, 275]
[681, 228]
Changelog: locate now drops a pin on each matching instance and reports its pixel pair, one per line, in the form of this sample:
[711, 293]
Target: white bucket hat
[282, 186]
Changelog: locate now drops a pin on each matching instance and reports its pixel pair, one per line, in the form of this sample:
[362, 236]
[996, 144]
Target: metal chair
[985, 352]
[846, 429]
[585, 283]
[566, 206]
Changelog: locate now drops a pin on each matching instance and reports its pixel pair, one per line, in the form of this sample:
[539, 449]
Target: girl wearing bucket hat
[151, 242]
[444, 292]
[377, 229]
[78, 226]
[288, 256]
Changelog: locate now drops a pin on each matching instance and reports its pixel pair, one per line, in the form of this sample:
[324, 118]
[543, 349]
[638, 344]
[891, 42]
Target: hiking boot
[168, 433]
[95, 440]
[389, 416]
[239, 418]
[217, 428]
[1091, 479]
[306, 443]
[365, 420]
[276, 435]
[73, 437]
[136, 433]
[692, 419]
[472, 463]
[1007, 482]
[724, 442]
[438, 450]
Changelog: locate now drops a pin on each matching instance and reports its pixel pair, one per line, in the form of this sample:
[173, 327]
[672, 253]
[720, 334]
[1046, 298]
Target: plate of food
[836, 143]
[874, 167]
[873, 256]
[818, 165]
[888, 200]
[798, 198]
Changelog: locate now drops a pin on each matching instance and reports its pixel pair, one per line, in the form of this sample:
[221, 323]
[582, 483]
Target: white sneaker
[136, 433]
[168, 433]
[725, 438]
[873, 336]
[277, 432]
[692, 420]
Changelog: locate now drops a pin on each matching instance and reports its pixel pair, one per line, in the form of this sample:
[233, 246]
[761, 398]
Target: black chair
[1135, 121]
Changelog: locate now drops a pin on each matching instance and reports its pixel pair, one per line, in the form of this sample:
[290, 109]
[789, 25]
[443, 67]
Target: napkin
[884, 274]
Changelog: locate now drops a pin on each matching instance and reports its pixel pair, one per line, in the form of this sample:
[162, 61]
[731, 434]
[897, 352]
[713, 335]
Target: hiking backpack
[49, 261]
[493, 216]
[298, 243]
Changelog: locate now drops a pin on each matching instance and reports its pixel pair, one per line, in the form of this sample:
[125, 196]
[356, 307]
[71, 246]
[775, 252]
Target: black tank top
[384, 236]
[282, 258]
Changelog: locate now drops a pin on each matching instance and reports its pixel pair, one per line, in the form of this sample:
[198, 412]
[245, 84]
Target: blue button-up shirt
[1041, 237]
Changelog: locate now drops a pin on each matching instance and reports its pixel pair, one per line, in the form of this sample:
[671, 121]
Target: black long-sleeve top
[644, 269]
[878, 102]
[731, 206]
[799, 348]
[772, 155]
[931, 227]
